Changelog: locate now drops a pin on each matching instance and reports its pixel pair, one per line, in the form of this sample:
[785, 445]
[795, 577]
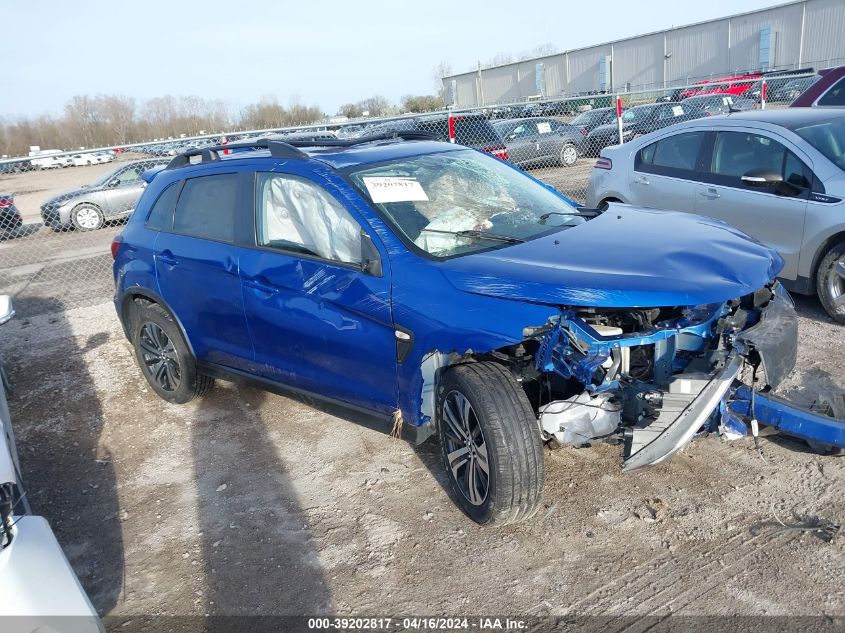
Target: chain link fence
[59, 211]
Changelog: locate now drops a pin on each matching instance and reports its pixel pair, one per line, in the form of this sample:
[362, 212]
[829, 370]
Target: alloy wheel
[836, 285]
[569, 155]
[466, 449]
[160, 359]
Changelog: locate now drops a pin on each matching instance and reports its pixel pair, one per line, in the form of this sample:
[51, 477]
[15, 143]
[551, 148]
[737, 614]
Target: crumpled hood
[626, 257]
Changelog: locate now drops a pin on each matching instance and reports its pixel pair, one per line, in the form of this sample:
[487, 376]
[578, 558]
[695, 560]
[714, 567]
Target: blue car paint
[556, 355]
[474, 303]
[773, 411]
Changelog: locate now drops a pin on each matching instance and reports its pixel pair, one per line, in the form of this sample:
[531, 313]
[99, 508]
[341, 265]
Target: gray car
[777, 175]
[542, 141]
[110, 197]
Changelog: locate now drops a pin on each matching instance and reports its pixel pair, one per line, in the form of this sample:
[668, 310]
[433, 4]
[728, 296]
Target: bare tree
[442, 70]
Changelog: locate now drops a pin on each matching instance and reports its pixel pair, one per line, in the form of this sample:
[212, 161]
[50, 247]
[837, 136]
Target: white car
[38, 588]
[81, 160]
[103, 157]
[47, 162]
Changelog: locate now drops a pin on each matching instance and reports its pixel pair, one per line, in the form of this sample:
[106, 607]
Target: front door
[773, 215]
[319, 320]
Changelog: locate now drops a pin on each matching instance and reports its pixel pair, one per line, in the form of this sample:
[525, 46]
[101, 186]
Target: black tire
[87, 217]
[568, 155]
[164, 356]
[505, 430]
[830, 282]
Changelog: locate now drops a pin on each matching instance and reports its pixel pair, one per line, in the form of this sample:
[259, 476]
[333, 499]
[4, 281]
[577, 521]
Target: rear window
[206, 207]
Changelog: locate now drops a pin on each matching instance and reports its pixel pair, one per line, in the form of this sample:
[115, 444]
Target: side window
[161, 215]
[675, 155]
[294, 214]
[207, 207]
[835, 96]
[126, 177]
[737, 153]
[522, 130]
[796, 172]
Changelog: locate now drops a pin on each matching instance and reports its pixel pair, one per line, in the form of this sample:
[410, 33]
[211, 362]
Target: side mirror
[6, 309]
[111, 184]
[370, 257]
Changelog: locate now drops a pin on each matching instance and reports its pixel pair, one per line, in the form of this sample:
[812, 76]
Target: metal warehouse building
[809, 33]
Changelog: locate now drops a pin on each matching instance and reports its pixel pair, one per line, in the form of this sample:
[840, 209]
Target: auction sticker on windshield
[394, 189]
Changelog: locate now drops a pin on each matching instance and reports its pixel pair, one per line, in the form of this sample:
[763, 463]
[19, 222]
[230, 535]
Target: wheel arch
[138, 294]
[819, 255]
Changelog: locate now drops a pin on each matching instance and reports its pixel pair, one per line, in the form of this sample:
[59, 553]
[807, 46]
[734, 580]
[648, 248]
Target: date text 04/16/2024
[418, 623]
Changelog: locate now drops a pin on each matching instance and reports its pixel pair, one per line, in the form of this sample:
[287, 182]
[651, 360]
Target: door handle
[642, 180]
[166, 258]
[710, 194]
[260, 284]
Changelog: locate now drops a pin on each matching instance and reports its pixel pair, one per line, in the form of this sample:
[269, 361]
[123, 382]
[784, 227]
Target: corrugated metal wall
[824, 23]
[710, 49]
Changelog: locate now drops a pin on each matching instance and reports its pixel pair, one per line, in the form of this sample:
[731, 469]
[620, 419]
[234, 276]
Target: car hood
[68, 195]
[625, 257]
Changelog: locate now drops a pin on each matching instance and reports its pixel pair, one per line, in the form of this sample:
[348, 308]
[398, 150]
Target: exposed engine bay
[650, 377]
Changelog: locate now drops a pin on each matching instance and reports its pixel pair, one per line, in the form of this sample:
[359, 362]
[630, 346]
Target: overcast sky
[325, 51]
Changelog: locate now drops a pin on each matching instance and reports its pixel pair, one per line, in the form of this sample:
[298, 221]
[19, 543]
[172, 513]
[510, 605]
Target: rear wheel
[830, 282]
[164, 356]
[490, 444]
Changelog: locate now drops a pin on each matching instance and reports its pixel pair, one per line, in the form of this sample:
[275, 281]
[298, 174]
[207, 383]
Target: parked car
[828, 91]
[442, 291]
[738, 85]
[472, 130]
[711, 105]
[591, 119]
[775, 174]
[10, 217]
[102, 157]
[110, 197]
[81, 160]
[38, 588]
[541, 141]
[789, 90]
[636, 121]
[47, 162]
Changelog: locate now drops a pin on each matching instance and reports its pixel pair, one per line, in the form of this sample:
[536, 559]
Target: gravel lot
[251, 503]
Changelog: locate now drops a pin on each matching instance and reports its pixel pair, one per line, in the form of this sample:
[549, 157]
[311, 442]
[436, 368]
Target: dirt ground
[252, 503]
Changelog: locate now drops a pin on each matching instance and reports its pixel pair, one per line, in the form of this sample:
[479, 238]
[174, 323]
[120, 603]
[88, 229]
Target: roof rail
[404, 135]
[288, 149]
[278, 149]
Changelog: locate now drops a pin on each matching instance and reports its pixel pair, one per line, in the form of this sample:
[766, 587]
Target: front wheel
[490, 444]
[87, 217]
[568, 155]
[830, 282]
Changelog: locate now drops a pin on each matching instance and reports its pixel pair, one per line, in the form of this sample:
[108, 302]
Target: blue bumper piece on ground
[788, 418]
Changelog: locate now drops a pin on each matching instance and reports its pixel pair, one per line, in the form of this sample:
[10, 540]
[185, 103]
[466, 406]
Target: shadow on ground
[69, 477]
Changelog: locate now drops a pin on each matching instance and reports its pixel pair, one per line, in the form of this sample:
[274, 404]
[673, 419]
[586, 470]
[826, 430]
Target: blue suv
[441, 291]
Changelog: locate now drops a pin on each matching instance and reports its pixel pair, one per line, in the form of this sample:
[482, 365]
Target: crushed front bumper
[774, 338]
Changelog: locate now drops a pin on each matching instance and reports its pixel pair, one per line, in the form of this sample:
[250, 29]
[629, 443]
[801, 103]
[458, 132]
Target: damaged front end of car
[651, 377]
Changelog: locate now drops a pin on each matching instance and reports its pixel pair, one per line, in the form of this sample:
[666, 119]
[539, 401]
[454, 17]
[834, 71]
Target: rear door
[196, 258]
[319, 320]
[775, 216]
[666, 173]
